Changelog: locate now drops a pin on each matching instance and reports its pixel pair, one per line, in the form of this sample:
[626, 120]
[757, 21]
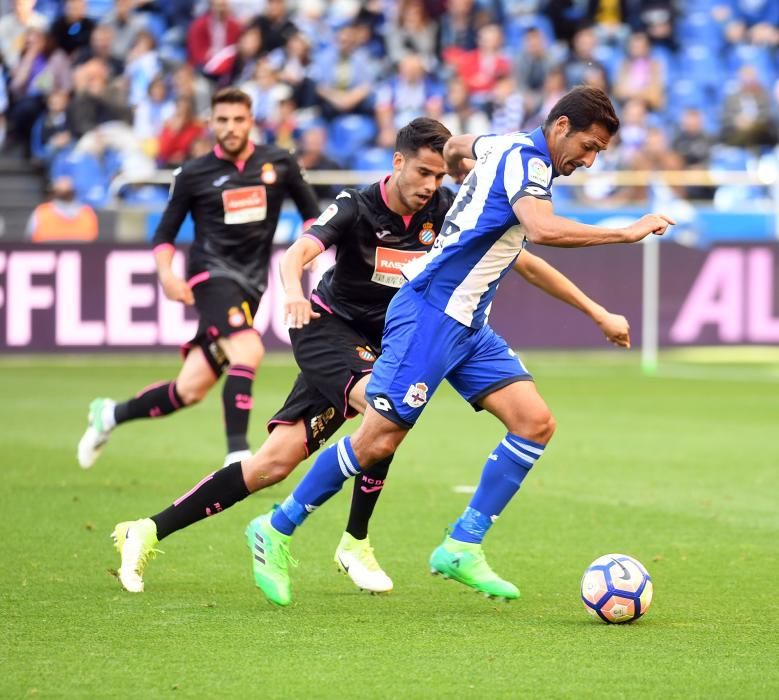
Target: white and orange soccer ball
[616, 588]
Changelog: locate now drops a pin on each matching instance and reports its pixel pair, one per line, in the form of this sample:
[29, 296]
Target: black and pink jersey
[235, 206]
[373, 244]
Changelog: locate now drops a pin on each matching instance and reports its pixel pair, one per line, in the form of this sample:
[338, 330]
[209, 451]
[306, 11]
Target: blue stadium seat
[373, 159]
[348, 134]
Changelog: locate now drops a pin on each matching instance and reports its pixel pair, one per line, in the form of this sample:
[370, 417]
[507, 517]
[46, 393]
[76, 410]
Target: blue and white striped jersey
[481, 237]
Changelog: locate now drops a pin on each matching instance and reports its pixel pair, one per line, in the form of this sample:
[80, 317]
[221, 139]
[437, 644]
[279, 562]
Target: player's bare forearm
[550, 280]
[544, 227]
[458, 148]
[175, 288]
[297, 309]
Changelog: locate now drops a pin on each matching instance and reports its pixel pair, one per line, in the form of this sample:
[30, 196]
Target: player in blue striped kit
[436, 328]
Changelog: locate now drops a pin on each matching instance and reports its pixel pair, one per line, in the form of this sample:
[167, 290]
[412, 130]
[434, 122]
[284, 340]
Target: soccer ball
[616, 588]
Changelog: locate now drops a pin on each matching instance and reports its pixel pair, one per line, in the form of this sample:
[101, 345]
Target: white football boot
[356, 559]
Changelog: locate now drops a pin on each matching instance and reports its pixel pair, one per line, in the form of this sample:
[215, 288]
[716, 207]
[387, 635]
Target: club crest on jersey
[416, 395]
[268, 174]
[427, 234]
[235, 317]
[366, 354]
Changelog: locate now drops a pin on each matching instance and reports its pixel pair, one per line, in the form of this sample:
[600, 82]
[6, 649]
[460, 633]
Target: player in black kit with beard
[336, 338]
[235, 195]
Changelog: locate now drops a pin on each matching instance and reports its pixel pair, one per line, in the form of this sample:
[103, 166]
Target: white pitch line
[464, 488]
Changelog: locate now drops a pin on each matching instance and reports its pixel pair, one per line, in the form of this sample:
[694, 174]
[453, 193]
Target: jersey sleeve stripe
[316, 240]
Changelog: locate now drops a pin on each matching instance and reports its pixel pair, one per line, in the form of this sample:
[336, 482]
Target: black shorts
[332, 357]
[224, 308]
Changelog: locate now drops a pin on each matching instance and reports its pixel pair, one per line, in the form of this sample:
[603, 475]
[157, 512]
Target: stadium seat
[373, 159]
[348, 134]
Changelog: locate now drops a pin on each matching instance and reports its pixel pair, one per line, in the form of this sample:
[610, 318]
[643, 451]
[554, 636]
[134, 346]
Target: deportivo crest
[416, 395]
[268, 174]
[538, 172]
[427, 234]
[235, 317]
[366, 354]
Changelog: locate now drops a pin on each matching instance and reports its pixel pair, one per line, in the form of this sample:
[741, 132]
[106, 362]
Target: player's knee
[379, 448]
[543, 427]
[191, 394]
[261, 471]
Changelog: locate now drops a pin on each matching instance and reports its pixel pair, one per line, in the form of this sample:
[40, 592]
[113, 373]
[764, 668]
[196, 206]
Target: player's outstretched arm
[297, 308]
[544, 227]
[550, 280]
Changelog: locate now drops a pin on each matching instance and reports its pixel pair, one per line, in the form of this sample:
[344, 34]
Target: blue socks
[504, 471]
[334, 465]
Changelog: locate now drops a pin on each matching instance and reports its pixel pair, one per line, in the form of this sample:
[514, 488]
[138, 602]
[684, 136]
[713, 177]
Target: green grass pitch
[679, 471]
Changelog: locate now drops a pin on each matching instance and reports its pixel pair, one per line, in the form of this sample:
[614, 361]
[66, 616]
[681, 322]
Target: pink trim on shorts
[315, 298]
[172, 395]
[194, 488]
[308, 223]
[149, 388]
[348, 408]
[198, 278]
[315, 239]
[163, 246]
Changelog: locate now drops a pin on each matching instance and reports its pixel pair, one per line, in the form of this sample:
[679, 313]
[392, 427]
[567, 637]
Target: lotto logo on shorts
[389, 263]
[245, 204]
[416, 395]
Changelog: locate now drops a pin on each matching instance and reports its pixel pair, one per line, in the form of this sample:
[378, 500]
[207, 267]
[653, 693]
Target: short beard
[237, 151]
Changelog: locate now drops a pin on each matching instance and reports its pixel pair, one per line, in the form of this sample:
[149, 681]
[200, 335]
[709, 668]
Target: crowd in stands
[92, 88]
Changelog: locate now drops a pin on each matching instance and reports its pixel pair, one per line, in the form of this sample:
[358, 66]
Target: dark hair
[422, 132]
[232, 96]
[584, 106]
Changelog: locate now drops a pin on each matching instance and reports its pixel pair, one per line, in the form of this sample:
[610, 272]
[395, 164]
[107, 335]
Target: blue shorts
[422, 346]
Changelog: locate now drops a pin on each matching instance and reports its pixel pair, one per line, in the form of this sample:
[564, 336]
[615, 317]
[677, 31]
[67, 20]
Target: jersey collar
[240, 164]
[539, 141]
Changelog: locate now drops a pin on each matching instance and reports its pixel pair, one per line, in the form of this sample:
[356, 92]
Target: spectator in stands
[63, 218]
[404, 97]
[755, 21]
[212, 37]
[202, 145]
[13, 28]
[609, 18]
[481, 68]
[266, 92]
[655, 155]
[248, 51]
[747, 118]
[72, 29]
[93, 103]
[151, 113]
[693, 145]
[143, 63]
[293, 64]
[125, 24]
[101, 46]
[412, 31]
[532, 62]
[507, 107]
[3, 104]
[52, 132]
[634, 127]
[312, 156]
[178, 134]
[582, 57]
[275, 25]
[657, 18]
[187, 83]
[311, 21]
[41, 68]
[554, 88]
[459, 25]
[640, 75]
[345, 76]
[461, 116]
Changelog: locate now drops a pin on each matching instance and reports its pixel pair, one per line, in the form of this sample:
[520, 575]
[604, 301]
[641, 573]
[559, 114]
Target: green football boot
[465, 562]
[97, 433]
[270, 559]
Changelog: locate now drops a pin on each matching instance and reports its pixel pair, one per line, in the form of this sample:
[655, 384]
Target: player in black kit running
[235, 195]
[336, 337]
